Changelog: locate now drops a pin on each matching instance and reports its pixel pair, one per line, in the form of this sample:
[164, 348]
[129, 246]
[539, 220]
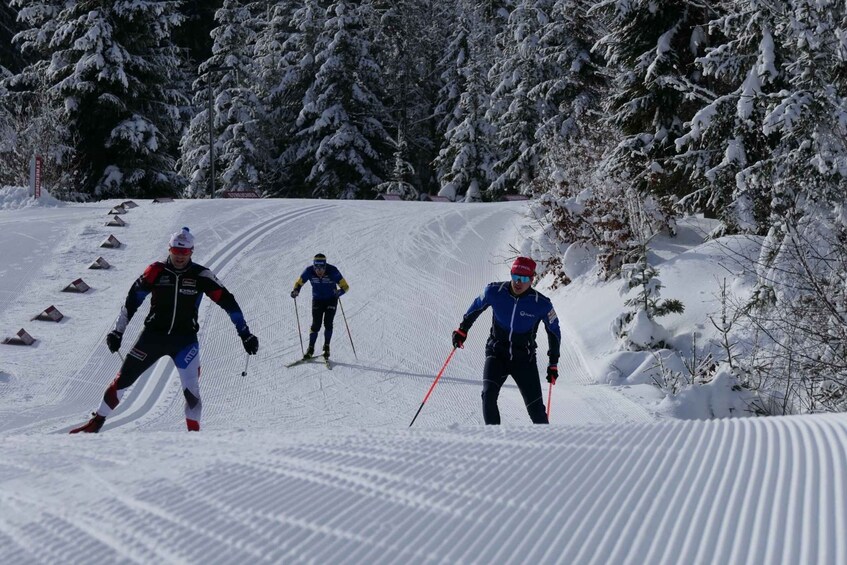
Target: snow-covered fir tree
[799, 303]
[10, 58]
[572, 84]
[638, 328]
[516, 108]
[341, 134]
[115, 61]
[285, 63]
[402, 176]
[465, 161]
[240, 156]
[650, 48]
[409, 35]
[726, 147]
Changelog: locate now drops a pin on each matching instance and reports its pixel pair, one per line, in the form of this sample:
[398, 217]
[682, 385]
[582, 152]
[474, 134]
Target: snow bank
[15, 197]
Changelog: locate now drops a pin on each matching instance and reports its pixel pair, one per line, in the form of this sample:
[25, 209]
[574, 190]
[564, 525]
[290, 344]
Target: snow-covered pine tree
[572, 84]
[7, 133]
[10, 58]
[409, 34]
[115, 61]
[285, 61]
[726, 144]
[402, 176]
[801, 273]
[638, 328]
[516, 108]
[809, 115]
[341, 126]
[239, 148]
[464, 162]
[193, 34]
[650, 49]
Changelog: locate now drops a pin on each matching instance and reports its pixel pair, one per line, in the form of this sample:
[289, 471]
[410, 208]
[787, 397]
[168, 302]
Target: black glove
[339, 292]
[295, 293]
[113, 340]
[251, 343]
[552, 374]
[459, 337]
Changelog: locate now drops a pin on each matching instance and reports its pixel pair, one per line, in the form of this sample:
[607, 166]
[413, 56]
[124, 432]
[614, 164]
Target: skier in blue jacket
[327, 287]
[517, 310]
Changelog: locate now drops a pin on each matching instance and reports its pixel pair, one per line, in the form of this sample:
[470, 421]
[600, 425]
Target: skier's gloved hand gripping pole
[113, 342]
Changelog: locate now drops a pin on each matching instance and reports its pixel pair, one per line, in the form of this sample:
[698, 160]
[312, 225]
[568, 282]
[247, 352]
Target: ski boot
[92, 426]
[326, 351]
[309, 353]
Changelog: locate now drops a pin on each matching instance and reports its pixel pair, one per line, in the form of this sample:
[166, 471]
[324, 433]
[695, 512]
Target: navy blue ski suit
[326, 290]
[510, 349]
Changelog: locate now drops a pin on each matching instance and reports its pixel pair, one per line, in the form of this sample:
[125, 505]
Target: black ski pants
[323, 310]
[150, 347]
[525, 374]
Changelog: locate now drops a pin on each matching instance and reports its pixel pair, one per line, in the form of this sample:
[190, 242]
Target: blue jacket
[323, 287]
[515, 322]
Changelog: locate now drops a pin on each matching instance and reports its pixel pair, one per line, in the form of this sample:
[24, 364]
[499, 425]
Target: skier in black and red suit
[177, 286]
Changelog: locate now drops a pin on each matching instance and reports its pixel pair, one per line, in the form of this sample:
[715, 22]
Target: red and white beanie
[523, 266]
[182, 240]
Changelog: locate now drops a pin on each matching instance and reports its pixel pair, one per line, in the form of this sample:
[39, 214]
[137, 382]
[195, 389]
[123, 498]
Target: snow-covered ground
[310, 465]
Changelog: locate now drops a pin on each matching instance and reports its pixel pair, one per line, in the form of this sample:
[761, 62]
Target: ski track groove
[676, 492]
[838, 522]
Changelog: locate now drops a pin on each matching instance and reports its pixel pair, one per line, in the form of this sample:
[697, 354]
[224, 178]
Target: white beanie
[182, 239]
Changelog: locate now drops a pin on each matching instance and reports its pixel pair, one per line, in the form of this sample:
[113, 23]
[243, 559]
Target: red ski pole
[433, 386]
[549, 399]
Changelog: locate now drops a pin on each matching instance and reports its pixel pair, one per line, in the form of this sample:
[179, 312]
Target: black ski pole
[348, 329]
[299, 334]
[244, 372]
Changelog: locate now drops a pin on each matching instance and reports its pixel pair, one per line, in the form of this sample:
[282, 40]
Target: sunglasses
[320, 267]
[521, 278]
[181, 251]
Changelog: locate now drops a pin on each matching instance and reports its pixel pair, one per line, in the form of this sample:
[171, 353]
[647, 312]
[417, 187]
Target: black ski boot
[309, 353]
[326, 351]
[92, 426]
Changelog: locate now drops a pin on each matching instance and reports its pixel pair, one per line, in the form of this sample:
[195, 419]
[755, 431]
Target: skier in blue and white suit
[517, 309]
